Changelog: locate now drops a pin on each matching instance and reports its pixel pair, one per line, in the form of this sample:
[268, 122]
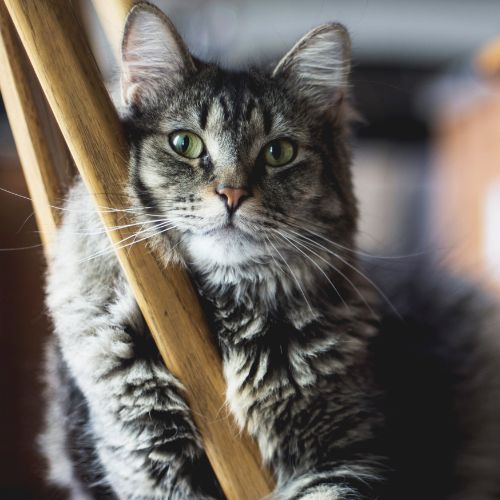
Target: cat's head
[237, 165]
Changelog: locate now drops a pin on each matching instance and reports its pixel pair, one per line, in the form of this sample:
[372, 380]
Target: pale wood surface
[112, 15]
[70, 79]
[42, 150]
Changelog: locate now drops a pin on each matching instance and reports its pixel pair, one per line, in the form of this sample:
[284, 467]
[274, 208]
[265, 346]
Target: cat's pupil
[183, 143]
[275, 150]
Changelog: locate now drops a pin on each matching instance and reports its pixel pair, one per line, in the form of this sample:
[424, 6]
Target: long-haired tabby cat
[244, 178]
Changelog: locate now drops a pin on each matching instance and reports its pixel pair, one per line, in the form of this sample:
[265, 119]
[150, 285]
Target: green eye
[187, 144]
[278, 153]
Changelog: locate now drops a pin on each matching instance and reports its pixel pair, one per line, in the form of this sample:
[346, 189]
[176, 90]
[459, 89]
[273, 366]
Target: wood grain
[70, 79]
[44, 156]
[112, 15]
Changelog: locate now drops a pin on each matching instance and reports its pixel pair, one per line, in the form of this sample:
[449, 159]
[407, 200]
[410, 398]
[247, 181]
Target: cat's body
[264, 218]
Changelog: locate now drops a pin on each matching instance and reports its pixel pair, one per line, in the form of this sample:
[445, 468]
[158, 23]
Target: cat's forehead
[231, 105]
[235, 114]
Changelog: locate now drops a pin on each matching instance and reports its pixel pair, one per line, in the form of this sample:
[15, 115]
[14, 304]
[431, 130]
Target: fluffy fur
[346, 398]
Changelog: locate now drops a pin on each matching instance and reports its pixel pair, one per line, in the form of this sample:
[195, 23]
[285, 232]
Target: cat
[356, 383]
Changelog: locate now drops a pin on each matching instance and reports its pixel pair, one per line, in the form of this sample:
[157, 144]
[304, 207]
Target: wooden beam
[44, 156]
[70, 79]
[112, 15]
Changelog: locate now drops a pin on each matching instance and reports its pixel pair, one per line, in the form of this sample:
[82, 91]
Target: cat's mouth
[229, 230]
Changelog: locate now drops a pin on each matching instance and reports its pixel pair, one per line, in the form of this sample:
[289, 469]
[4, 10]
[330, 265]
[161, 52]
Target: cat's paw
[310, 487]
[322, 495]
[149, 428]
[326, 493]
[151, 408]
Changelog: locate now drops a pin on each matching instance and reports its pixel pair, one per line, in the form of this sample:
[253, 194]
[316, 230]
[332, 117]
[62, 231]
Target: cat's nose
[232, 197]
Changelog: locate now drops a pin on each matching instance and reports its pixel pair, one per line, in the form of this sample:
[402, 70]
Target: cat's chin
[224, 247]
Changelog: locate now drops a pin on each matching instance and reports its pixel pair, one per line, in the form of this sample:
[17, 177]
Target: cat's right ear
[153, 55]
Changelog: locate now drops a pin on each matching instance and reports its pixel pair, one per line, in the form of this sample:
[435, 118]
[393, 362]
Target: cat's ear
[153, 55]
[318, 65]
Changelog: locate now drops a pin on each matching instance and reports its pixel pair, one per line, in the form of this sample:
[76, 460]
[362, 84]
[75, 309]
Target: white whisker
[14, 249]
[272, 256]
[294, 277]
[354, 268]
[315, 264]
[336, 269]
[305, 226]
[118, 245]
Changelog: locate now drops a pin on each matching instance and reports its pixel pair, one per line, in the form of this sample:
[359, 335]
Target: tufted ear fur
[153, 55]
[318, 65]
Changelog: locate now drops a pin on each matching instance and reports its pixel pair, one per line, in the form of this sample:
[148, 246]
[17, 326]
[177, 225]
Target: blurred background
[426, 79]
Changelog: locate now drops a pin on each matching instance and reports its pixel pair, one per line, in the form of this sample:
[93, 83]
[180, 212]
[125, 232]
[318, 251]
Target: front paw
[327, 493]
[150, 434]
[152, 409]
[311, 487]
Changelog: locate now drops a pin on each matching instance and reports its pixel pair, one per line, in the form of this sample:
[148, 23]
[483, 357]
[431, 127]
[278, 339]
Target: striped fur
[307, 347]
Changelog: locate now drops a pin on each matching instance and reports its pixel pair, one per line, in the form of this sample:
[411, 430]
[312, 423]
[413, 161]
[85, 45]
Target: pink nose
[233, 197]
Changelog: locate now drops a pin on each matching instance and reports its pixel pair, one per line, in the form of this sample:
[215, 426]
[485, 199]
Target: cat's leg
[54, 441]
[336, 457]
[141, 426]
[149, 445]
[342, 482]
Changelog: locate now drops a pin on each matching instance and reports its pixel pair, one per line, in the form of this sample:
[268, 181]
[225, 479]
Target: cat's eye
[279, 152]
[187, 144]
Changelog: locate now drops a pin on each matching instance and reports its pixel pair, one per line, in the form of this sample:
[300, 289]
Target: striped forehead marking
[235, 111]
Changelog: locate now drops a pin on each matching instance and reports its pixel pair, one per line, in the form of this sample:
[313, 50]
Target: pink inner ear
[153, 54]
[318, 65]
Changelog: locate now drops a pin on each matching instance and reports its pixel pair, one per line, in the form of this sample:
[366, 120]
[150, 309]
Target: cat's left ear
[153, 55]
[318, 66]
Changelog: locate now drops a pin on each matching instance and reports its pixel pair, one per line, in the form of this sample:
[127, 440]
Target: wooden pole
[40, 145]
[70, 79]
[112, 15]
